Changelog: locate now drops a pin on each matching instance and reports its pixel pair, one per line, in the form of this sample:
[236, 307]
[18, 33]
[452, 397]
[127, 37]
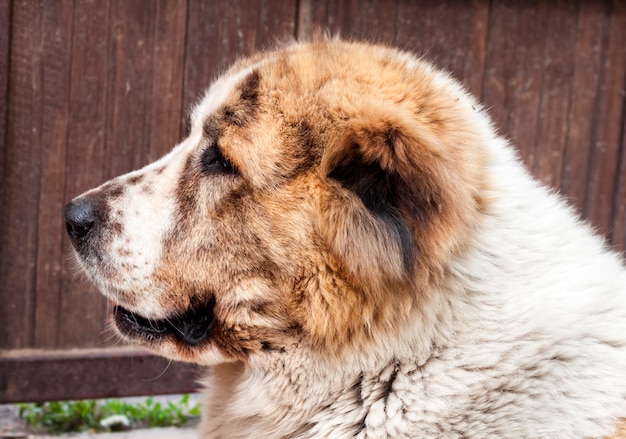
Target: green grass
[86, 415]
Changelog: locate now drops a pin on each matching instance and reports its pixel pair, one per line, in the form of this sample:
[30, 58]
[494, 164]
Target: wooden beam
[37, 375]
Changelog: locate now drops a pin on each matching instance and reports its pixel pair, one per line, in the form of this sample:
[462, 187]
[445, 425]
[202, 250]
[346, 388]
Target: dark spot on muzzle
[191, 328]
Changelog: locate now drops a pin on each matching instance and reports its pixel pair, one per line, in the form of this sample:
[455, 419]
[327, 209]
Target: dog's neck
[292, 402]
[293, 395]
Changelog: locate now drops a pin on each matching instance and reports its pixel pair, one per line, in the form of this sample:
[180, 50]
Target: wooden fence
[91, 89]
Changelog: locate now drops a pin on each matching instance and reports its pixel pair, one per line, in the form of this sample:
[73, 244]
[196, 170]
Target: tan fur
[621, 432]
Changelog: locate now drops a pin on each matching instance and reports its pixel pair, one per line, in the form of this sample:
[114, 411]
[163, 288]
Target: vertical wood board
[56, 53]
[79, 308]
[19, 233]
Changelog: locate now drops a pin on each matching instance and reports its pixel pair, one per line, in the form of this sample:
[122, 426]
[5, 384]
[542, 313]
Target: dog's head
[319, 198]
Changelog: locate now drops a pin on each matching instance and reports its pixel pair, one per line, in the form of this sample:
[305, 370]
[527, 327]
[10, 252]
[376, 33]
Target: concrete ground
[151, 433]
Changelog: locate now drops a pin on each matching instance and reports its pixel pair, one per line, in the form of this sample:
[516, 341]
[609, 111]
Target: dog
[353, 251]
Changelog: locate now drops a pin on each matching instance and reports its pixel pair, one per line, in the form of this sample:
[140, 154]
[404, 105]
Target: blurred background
[90, 89]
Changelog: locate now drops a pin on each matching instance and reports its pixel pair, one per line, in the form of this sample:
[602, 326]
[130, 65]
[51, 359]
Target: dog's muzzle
[86, 223]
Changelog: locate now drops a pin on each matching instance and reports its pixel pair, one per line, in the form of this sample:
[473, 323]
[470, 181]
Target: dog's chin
[191, 328]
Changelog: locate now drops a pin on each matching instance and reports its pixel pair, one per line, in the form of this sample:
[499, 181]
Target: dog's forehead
[218, 94]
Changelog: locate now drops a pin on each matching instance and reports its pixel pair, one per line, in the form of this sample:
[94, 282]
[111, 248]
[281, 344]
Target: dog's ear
[381, 190]
[403, 183]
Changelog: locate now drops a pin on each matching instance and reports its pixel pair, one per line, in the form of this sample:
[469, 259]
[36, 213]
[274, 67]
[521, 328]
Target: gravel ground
[11, 426]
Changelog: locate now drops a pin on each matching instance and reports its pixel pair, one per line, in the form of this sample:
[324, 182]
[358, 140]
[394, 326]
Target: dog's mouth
[191, 328]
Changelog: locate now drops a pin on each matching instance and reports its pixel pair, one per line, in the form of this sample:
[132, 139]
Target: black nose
[80, 219]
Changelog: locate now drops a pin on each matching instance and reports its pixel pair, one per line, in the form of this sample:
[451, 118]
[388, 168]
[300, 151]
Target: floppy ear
[381, 191]
[404, 205]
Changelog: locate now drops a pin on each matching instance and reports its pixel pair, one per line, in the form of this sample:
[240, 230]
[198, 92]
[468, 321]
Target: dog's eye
[214, 162]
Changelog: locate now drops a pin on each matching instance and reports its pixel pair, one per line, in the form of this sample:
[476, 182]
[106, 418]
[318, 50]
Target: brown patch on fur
[621, 431]
[112, 190]
[136, 179]
[243, 111]
[211, 128]
[186, 194]
[124, 252]
[118, 228]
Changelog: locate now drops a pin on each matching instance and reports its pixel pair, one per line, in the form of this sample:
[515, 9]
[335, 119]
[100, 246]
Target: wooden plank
[583, 108]
[453, 35]
[130, 85]
[201, 51]
[503, 22]
[5, 50]
[81, 311]
[167, 113]
[220, 31]
[619, 218]
[474, 53]
[609, 127]
[276, 22]
[5, 35]
[369, 20]
[374, 21]
[332, 16]
[513, 77]
[556, 91]
[415, 27]
[18, 235]
[38, 376]
[56, 53]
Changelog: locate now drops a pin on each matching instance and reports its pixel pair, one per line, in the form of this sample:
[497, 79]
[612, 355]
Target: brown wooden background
[90, 89]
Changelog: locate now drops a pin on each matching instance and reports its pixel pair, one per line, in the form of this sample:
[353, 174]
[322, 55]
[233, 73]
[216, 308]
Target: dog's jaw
[191, 328]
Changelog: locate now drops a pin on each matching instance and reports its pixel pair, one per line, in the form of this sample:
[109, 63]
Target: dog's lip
[191, 328]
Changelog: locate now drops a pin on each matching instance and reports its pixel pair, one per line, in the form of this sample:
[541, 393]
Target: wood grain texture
[583, 101]
[514, 74]
[220, 31]
[80, 319]
[619, 221]
[608, 123]
[558, 69]
[451, 34]
[166, 112]
[5, 50]
[5, 38]
[19, 233]
[130, 85]
[38, 376]
[56, 53]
